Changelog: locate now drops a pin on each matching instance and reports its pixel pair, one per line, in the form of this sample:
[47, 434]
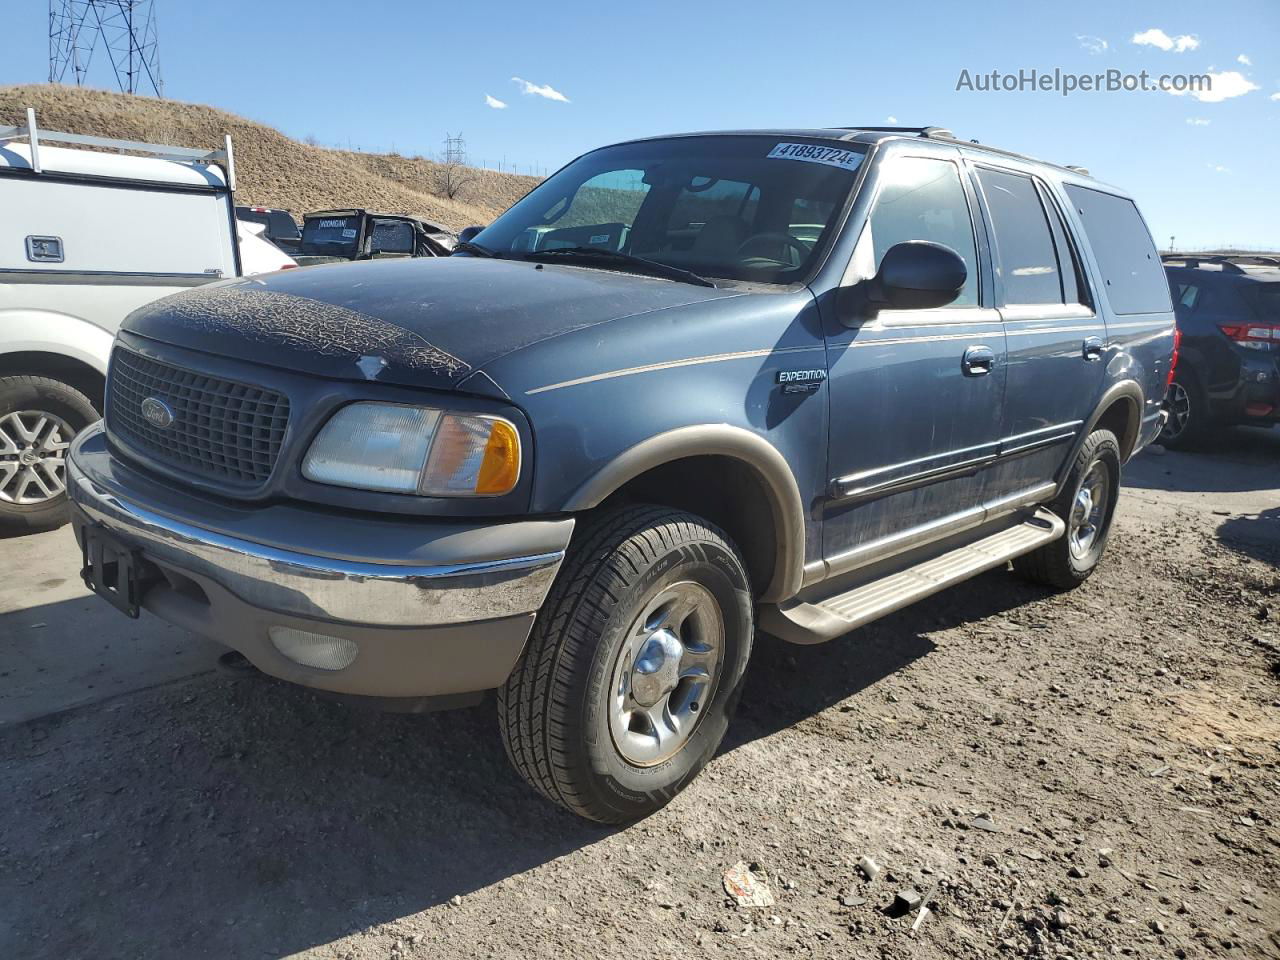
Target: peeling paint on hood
[422, 322]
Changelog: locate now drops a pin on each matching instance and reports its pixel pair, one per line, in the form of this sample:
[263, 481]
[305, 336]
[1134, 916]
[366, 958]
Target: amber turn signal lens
[500, 467]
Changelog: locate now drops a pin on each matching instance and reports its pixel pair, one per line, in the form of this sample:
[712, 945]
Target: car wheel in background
[634, 667]
[1087, 504]
[1189, 421]
[38, 419]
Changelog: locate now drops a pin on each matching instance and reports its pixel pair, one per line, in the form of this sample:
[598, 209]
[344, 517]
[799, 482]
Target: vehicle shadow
[787, 683]
[1256, 535]
[1236, 459]
[215, 817]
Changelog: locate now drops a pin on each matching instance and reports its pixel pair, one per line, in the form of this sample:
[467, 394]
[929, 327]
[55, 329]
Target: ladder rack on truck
[224, 157]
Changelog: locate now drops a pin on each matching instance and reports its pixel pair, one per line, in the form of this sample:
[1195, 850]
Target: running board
[801, 622]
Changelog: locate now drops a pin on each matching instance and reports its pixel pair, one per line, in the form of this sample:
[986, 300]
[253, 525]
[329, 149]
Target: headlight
[404, 449]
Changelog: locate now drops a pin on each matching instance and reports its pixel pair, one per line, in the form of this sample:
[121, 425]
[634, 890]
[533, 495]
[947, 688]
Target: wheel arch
[721, 472]
[1120, 411]
[73, 371]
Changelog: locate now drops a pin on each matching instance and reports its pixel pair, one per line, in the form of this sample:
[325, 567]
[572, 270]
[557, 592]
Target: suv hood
[423, 322]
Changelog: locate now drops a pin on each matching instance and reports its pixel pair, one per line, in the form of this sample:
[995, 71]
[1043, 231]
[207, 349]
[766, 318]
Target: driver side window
[922, 198]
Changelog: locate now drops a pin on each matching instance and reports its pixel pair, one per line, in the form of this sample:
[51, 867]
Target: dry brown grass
[272, 169]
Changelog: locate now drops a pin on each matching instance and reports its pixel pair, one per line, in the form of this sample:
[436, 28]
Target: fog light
[314, 649]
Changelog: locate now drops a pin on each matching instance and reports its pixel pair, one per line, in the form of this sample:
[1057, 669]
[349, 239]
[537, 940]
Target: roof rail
[224, 157]
[1230, 262]
[1083, 171]
[940, 132]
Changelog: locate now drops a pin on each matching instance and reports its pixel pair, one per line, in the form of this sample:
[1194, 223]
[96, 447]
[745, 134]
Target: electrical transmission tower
[455, 149]
[125, 30]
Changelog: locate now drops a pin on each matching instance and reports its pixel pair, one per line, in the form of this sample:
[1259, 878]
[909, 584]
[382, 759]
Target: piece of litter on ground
[1031, 854]
[907, 899]
[1159, 771]
[870, 869]
[984, 822]
[748, 885]
[919, 918]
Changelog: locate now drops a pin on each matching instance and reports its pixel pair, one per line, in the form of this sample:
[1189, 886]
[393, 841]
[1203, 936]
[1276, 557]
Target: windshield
[750, 208]
[331, 236]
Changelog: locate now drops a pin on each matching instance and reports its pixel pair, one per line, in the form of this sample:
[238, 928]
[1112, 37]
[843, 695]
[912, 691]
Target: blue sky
[403, 74]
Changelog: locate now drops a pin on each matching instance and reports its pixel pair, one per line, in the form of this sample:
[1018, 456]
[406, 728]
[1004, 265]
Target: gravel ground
[1089, 774]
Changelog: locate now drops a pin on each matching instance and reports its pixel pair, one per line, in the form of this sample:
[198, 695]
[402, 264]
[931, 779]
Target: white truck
[85, 238]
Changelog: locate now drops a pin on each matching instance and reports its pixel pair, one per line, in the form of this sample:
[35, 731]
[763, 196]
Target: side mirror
[468, 233]
[915, 275]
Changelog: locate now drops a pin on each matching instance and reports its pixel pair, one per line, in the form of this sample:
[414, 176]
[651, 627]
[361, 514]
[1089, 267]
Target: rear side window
[1126, 255]
[1026, 260]
[1265, 298]
[282, 225]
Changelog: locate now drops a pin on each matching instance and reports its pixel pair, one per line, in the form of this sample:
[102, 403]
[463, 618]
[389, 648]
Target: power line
[125, 30]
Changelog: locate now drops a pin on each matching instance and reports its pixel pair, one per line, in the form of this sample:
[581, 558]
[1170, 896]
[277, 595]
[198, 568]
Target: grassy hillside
[272, 169]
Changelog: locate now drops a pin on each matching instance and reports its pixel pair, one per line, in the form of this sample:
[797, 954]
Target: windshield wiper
[468, 246]
[638, 264]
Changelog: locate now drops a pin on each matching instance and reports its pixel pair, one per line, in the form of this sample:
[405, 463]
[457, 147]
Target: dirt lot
[1059, 776]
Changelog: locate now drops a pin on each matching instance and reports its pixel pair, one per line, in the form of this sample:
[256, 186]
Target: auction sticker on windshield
[814, 153]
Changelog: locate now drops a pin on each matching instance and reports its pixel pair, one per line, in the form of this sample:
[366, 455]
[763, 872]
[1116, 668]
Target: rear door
[915, 394]
[1056, 338]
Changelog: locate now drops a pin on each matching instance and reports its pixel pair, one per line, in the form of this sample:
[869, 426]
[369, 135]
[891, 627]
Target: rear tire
[1189, 421]
[38, 419]
[625, 688]
[1086, 505]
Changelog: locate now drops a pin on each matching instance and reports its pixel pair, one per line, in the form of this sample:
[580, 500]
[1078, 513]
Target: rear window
[330, 235]
[1265, 298]
[281, 225]
[1131, 271]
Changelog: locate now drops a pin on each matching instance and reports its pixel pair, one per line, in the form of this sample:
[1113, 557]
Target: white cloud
[1243, 58]
[891, 119]
[544, 90]
[1155, 37]
[1218, 168]
[1275, 96]
[494, 102]
[1197, 121]
[1094, 45]
[1222, 86]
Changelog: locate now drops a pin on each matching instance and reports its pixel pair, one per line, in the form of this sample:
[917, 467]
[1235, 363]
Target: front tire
[38, 419]
[634, 667]
[1087, 504]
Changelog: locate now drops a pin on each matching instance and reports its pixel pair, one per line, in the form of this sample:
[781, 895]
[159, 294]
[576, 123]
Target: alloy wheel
[33, 457]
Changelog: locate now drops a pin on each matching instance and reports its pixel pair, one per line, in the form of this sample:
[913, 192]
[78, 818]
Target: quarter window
[1126, 255]
[922, 199]
[1026, 261]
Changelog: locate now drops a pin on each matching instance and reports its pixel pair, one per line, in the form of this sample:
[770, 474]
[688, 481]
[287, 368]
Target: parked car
[85, 237]
[1228, 310]
[280, 227]
[584, 475]
[257, 255]
[330, 236]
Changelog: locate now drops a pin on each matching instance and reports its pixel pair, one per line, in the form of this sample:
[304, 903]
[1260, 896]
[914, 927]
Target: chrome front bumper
[399, 608]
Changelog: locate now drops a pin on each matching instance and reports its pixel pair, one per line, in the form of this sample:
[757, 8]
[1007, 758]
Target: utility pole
[125, 30]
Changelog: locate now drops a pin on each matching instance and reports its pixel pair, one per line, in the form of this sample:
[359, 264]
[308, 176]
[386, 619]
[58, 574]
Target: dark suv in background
[686, 387]
[1228, 311]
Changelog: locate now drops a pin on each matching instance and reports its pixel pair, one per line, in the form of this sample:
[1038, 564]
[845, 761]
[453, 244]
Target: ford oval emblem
[157, 412]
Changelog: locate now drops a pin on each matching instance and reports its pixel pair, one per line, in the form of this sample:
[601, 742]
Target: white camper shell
[86, 237]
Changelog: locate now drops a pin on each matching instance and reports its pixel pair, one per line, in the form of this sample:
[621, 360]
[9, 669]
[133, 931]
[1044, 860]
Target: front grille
[222, 430]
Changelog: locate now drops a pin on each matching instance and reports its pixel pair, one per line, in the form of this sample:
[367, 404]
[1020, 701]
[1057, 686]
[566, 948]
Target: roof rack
[940, 132]
[224, 157]
[1083, 171]
[1230, 262]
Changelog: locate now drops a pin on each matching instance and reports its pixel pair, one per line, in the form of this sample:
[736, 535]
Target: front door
[915, 394]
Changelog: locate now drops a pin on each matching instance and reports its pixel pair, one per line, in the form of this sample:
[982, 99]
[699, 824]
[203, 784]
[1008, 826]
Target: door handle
[1093, 349]
[978, 361]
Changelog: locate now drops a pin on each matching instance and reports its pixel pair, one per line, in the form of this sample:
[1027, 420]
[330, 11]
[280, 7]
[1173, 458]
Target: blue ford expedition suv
[687, 388]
